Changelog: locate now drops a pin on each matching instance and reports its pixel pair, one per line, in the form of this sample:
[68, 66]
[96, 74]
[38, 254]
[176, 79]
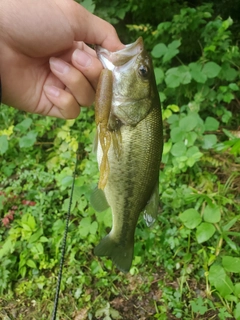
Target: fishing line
[56, 300]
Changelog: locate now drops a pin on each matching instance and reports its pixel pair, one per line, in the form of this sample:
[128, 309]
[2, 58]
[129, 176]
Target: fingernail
[59, 65]
[52, 91]
[82, 58]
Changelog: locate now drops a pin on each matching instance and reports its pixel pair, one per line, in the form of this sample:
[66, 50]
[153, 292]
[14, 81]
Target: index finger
[94, 30]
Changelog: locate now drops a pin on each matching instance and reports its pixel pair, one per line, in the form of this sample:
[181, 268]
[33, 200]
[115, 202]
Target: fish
[129, 144]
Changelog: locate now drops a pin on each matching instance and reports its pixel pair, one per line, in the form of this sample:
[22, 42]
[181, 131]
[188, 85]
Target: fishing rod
[63, 251]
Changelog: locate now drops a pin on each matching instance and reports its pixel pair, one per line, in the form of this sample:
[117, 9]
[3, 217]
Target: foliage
[187, 265]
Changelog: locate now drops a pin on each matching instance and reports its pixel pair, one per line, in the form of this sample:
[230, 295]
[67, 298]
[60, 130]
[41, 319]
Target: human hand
[34, 33]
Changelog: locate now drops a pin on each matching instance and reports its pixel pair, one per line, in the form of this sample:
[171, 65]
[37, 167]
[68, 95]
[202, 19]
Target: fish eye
[143, 71]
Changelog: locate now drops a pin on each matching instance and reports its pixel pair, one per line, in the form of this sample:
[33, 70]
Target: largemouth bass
[129, 147]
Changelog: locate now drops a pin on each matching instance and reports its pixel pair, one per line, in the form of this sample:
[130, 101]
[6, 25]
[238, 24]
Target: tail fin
[121, 255]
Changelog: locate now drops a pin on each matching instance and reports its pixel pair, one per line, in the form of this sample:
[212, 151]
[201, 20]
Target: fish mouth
[110, 60]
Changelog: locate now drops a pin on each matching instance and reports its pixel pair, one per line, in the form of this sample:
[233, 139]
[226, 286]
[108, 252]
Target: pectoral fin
[151, 209]
[98, 200]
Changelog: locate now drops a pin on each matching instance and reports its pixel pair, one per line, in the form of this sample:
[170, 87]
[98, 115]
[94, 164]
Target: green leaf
[230, 223]
[184, 74]
[175, 44]
[28, 140]
[78, 192]
[162, 96]
[173, 119]
[7, 247]
[196, 72]
[211, 69]
[190, 138]
[212, 213]
[35, 236]
[193, 154]
[231, 264]
[172, 78]
[173, 107]
[43, 239]
[24, 125]
[172, 50]
[115, 314]
[39, 248]
[86, 227]
[66, 202]
[228, 97]
[93, 227]
[237, 290]
[31, 222]
[236, 147]
[190, 218]
[211, 124]
[3, 144]
[177, 134]
[228, 134]
[231, 297]
[192, 151]
[82, 203]
[177, 76]
[23, 271]
[170, 54]
[209, 141]
[166, 114]
[227, 23]
[167, 147]
[236, 311]
[159, 50]
[178, 149]
[195, 158]
[2, 200]
[198, 306]
[204, 232]
[30, 263]
[226, 116]
[233, 86]
[159, 75]
[120, 13]
[189, 122]
[219, 279]
[105, 218]
[228, 73]
[231, 243]
[66, 181]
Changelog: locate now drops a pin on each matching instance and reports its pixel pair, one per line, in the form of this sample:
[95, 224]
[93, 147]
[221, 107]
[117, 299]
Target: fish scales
[135, 185]
[129, 146]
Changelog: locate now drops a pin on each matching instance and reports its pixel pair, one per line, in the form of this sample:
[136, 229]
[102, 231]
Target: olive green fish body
[132, 159]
